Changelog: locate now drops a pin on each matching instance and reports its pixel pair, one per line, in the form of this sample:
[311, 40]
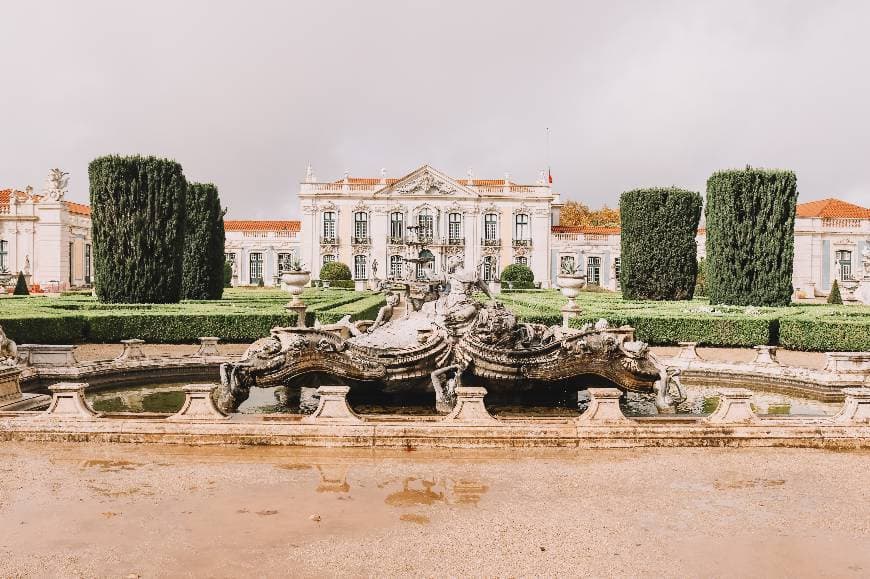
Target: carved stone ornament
[491, 250]
[424, 184]
[361, 207]
[309, 209]
[523, 209]
[491, 209]
[521, 250]
[328, 206]
[56, 184]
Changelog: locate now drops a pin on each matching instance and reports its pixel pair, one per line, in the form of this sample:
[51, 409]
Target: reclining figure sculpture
[452, 338]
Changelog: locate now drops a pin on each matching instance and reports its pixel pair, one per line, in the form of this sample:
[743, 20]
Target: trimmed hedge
[827, 328]
[750, 236]
[659, 252]
[334, 271]
[518, 275]
[138, 219]
[204, 259]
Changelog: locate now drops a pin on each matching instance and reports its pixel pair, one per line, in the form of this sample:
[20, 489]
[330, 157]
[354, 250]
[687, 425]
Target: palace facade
[260, 250]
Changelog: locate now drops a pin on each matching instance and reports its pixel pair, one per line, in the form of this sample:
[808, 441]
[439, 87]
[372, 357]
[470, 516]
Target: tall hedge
[659, 254]
[138, 220]
[750, 236]
[204, 237]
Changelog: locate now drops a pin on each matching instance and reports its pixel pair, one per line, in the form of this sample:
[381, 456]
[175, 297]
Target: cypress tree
[138, 220]
[658, 250]
[204, 237]
[21, 286]
[834, 297]
[750, 236]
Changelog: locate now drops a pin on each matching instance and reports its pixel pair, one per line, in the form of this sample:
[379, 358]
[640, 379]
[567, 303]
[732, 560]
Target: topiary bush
[228, 274]
[21, 286]
[138, 219]
[519, 275]
[834, 297]
[750, 236]
[701, 279]
[204, 259]
[335, 270]
[658, 249]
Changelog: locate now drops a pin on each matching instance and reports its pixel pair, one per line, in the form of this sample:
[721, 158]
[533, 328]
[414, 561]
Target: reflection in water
[333, 478]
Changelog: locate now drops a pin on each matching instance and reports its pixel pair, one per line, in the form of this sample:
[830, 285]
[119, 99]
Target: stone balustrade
[208, 346]
[735, 406]
[132, 350]
[68, 401]
[47, 355]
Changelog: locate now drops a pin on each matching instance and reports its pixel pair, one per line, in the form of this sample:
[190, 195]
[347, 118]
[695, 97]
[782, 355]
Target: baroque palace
[377, 225]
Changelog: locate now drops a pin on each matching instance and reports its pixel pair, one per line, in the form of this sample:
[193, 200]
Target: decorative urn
[295, 281]
[570, 283]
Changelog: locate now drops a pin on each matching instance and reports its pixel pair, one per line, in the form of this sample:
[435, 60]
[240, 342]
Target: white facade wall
[268, 245]
[817, 245]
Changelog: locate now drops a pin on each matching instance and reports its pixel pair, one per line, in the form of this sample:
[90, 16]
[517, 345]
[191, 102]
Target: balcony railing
[395, 240]
[490, 242]
[360, 240]
[522, 243]
[329, 239]
[455, 241]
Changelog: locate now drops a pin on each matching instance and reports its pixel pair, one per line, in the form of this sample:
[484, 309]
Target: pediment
[427, 182]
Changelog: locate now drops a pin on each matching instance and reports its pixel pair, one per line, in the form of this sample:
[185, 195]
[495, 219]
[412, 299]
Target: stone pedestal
[569, 311]
[862, 292]
[765, 356]
[470, 407]
[333, 407]
[734, 407]
[603, 407]
[809, 289]
[132, 350]
[208, 346]
[856, 410]
[198, 404]
[43, 356]
[688, 351]
[298, 309]
[9, 385]
[68, 401]
[848, 363]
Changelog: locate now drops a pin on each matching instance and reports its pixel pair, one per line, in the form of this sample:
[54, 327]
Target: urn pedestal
[295, 282]
[570, 286]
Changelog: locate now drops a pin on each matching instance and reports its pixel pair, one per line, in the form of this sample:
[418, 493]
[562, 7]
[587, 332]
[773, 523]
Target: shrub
[826, 332]
[21, 286]
[204, 237]
[334, 270]
[138, 219]
[834, 297]
[750, 236]
[701, 280]
[518, 275]
[228, 274]
[659, 252]
[342, 284]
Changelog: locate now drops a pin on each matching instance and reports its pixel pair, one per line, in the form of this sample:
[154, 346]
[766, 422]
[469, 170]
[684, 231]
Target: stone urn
[570, 286]
[296, 282]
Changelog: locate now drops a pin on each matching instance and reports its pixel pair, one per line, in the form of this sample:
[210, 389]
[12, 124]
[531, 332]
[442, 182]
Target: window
[397, 229]
[454, 227]
[284, 261]
[328, 258]
[396, 263]
[359, 267]
[360, 226]
[255, 270]
[87, 263]
[490, 227]
[4, 254]
[522, 231]
[521, 260]
[617, 267]
[329, 225]
[566, 262]
[844, 263]
[593, 270]
[424, 220]
[230, 258]
[488, 268]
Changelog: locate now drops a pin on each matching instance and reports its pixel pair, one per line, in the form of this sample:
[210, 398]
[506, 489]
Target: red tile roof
[78, 208]
[828, 208]
[253, 225]
[596, 230]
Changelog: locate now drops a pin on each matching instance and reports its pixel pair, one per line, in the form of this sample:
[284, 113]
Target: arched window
[488, 270]
[359, 267]
[397, 227]
[522, 231]
[329, 226]
[360, 227]
[396, 263]
[490, 228]
[454, 229]
[426, 223]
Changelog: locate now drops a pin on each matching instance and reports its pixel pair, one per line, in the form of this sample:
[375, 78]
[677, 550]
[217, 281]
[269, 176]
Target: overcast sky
[245, 93]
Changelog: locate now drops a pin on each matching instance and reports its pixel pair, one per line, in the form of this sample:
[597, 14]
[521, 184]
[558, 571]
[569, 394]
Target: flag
[549, 176]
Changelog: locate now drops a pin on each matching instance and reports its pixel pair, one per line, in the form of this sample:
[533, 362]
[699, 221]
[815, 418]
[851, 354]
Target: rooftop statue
[56, 184]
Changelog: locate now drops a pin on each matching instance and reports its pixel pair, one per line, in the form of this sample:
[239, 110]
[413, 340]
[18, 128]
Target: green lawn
[242, 315]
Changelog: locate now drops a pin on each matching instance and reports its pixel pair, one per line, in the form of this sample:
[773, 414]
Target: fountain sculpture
[452, 339]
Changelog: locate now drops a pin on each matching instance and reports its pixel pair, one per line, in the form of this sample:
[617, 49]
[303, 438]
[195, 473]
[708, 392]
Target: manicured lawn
[243, 315]
[800, 327]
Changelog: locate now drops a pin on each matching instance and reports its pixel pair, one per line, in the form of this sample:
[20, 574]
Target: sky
[245, 94]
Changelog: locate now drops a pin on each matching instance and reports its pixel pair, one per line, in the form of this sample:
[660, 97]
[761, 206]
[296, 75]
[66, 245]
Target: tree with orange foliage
[578, 214]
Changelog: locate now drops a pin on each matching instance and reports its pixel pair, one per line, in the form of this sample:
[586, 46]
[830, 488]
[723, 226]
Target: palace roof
[262, 225]
[828, 208]
[71, 206]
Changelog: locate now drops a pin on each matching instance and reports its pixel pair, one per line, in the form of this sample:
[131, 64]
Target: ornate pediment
[427, 182]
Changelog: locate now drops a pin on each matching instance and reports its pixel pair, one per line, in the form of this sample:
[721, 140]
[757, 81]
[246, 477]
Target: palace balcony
[329, 239]
[360, 240]
[455, 241]
[395, 240]
[490, 242]
[522, 242]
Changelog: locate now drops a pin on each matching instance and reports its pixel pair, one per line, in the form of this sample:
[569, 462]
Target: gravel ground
[175, 511]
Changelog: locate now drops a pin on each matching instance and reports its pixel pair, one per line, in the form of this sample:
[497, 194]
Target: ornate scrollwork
[425, 183]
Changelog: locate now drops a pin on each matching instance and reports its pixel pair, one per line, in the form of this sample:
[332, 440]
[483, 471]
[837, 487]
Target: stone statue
[56, 184]
[385, 314]
[374, 268]
[445, 387]
[8, 351]
[26, 265]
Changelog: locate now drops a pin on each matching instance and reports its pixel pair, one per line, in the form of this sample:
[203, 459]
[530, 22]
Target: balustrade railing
[360, 240]
[522, 242]
[490, 242]
[329, 239]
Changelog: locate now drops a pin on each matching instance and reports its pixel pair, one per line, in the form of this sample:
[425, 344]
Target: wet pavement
[149, 510]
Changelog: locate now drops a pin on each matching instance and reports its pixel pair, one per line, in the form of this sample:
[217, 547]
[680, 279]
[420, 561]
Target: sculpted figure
[8, 350]
[445, 387]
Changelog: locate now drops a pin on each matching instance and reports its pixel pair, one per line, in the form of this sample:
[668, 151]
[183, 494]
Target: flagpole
[549, 172]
